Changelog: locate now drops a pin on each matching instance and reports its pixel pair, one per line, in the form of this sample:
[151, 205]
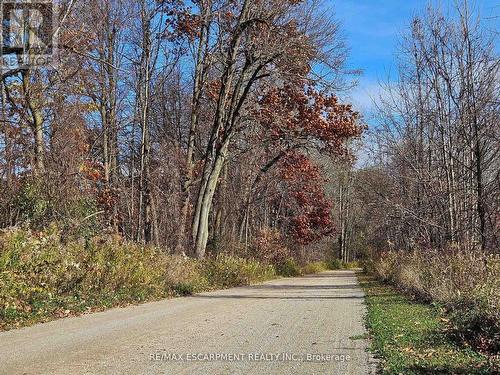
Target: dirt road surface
[307, 325]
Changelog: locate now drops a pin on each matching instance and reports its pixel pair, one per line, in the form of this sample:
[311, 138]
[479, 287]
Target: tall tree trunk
[144, 226]
[36, 123]
[200, 69]
[207, 199]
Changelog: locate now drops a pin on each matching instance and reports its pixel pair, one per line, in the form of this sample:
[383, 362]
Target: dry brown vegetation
[465, 283]
[44, 276]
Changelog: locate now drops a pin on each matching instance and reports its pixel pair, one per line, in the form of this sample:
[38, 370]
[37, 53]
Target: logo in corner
[27, 35]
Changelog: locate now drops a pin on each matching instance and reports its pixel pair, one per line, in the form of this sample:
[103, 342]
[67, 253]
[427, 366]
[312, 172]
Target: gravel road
[304, 325]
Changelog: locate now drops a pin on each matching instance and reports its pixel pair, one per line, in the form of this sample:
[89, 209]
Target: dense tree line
[184, 125]
[433, 178]
[214, 125]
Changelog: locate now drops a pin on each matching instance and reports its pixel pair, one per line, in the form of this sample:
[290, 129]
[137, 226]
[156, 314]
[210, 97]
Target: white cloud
[366, 94]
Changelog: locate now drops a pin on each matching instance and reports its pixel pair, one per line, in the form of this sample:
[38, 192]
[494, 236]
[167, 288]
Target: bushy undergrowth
[269, 248]
[315, 267]
[42, 278]
[337, 264]
[410, 337]
[226, 271]
[288, 268]
[467, 284]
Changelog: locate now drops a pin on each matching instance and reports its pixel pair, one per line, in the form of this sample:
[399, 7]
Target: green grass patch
[412, 338]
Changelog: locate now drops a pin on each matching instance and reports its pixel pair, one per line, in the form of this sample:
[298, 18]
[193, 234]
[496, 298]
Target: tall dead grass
[466, 283]
[42, 277]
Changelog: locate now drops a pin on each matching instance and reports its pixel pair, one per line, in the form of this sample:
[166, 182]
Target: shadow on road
[330, 275]
[239, 296]
[278, 287]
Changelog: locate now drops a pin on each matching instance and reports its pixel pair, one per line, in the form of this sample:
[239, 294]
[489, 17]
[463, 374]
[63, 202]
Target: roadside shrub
[289, 268]
[316, 267]
[269, 247]
[466, 283]
[476, 321]
[32, 204]
[385, 266]
[475, 314]
[42, 278]
[185, 273]
[226, 271]
[82, 219]
[337, 264]
[183, 289]
[351, 265]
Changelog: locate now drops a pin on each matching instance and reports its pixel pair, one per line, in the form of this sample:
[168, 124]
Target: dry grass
[315, 267]
[411, 337]
[42, 278]
[467, 284]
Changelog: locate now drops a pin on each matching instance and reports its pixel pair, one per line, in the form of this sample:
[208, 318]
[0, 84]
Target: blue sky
[373, 28]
